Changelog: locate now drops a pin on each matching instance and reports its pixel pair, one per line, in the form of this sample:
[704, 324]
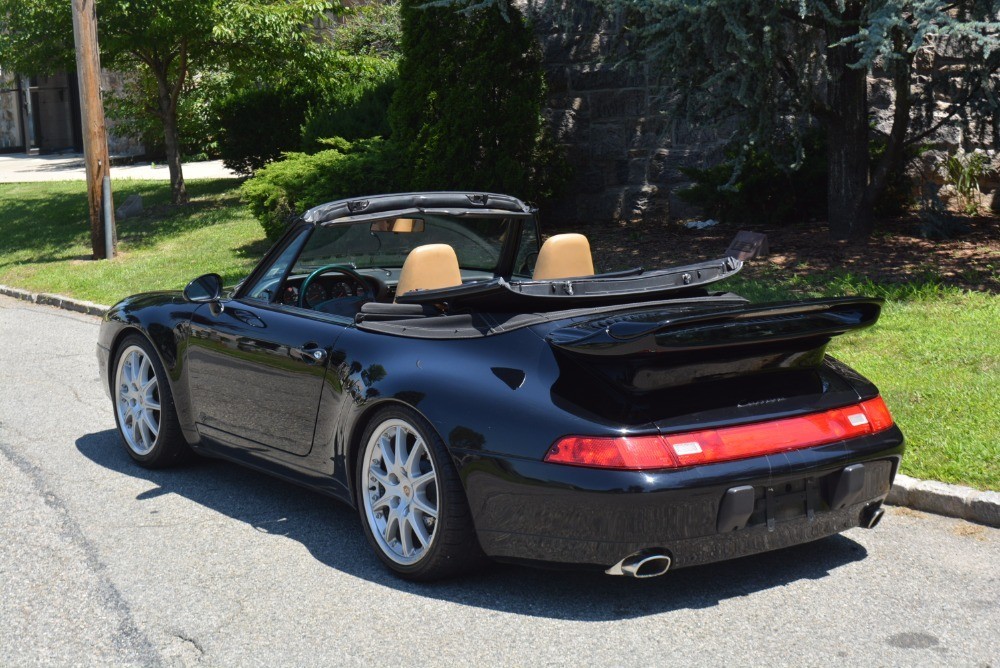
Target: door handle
[310, 353]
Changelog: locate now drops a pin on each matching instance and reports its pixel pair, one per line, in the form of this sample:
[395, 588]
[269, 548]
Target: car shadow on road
[332, 534]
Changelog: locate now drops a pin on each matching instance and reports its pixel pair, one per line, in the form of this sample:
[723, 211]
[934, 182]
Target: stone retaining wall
[625, 156]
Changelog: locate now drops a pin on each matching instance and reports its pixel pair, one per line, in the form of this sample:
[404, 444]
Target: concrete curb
[943, 499]
[67, 303]
[929, 496]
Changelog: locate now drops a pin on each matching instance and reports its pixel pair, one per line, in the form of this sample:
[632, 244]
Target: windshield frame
[505, 263]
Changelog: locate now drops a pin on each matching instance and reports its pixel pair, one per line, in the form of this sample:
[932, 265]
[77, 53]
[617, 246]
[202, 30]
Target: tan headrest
[402, 225]
[564, 256]
[428, 268]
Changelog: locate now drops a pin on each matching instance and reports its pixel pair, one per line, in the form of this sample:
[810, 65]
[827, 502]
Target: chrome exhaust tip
[872, 518]
[647, 564]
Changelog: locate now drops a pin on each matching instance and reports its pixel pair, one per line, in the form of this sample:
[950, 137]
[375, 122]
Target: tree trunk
[172, 141]
[893, 158]
[849, 211]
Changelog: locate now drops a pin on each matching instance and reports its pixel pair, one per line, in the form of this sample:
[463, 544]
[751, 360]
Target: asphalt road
[104, 563]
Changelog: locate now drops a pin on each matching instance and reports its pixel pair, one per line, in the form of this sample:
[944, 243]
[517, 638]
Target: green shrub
[468, 106]
[356, 106]
[255, 126]
[287, 188]
[765, 190]
[964, 171]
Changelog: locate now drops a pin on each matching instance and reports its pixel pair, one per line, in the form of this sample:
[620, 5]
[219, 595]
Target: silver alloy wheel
[401, 491]
[137, 400]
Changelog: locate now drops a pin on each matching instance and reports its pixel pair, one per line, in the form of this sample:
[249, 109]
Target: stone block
[609, 139]
[626, 103]
[603, 76]
[991, 200]
[564, 125]
[130, 208]
[564, 48]
[638, 171]
[656, 167]
[556, 79]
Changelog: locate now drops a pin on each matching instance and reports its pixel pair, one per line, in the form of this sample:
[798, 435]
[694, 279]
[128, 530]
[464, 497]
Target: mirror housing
[204, 289]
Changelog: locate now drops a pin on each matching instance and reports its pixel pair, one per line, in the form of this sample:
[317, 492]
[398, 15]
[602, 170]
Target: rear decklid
[709, 362]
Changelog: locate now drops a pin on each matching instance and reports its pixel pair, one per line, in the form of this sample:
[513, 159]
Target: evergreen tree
[467, 112]
[780, 64]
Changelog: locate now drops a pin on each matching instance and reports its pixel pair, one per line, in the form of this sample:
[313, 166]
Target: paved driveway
[104, 563]
[18, 168]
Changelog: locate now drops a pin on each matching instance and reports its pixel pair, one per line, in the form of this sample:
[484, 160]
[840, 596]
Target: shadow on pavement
[331, 532]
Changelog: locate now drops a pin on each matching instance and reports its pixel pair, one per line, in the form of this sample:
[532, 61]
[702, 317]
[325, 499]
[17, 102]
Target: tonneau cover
[499, 295]
[410, 321]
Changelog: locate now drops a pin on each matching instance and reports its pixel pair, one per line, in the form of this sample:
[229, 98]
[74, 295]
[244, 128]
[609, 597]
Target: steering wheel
[347, 271]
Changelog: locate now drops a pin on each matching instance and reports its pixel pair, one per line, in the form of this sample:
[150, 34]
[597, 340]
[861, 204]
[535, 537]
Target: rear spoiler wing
[660, 331]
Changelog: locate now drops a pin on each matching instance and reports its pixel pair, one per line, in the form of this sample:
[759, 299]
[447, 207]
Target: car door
[255, 373]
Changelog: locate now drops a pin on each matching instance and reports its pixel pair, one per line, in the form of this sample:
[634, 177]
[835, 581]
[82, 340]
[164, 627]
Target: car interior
[344, 288]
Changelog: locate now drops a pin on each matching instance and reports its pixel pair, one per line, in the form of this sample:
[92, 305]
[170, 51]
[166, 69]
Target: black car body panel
[288, 390]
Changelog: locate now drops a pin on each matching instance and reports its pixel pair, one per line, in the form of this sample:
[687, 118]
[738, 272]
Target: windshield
[478, 242]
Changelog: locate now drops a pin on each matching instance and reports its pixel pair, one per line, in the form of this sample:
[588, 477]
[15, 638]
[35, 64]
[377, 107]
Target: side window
[527, 251]
[267, 285]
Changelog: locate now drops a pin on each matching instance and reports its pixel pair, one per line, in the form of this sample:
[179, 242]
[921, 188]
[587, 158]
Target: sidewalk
[19, 168]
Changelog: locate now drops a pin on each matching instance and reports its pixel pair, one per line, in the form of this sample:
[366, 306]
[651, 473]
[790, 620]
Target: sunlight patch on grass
[46, 240]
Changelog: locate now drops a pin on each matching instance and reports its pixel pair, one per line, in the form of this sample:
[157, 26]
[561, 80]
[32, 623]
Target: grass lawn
[45, 239]
[935, 354]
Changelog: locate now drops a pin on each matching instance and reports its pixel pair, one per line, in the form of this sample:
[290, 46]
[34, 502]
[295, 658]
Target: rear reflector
[721, 445]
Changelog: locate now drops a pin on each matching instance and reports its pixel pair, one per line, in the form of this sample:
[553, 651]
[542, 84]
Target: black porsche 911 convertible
[474, 393]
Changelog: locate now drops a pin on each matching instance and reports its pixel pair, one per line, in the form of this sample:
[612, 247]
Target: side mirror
[204, 289]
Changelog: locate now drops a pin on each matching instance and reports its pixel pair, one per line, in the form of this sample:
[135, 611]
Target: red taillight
[878, 414]
[625, 452]
[725, 444]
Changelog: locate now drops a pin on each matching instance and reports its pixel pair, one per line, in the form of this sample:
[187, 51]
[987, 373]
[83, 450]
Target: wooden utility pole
[95, 138]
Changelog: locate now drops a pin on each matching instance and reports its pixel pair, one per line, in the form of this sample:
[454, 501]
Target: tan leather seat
[428, 268]
[564, 256]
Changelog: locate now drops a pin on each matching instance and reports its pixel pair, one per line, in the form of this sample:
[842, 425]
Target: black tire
[453, 547]
[167, 447]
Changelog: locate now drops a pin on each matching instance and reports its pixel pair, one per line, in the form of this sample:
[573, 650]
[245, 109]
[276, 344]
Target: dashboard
[322, 289]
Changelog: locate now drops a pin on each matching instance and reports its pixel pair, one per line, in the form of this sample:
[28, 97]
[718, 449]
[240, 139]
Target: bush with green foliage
[354, 107]
[284, 189]
[255, 126]
[468, 107]
[963, 172]
[348, 96]
[762, 188]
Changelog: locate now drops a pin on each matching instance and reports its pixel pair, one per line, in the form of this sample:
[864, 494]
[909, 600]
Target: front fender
[163, 318]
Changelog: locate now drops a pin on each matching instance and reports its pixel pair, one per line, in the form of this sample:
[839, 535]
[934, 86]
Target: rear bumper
[536, 512]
